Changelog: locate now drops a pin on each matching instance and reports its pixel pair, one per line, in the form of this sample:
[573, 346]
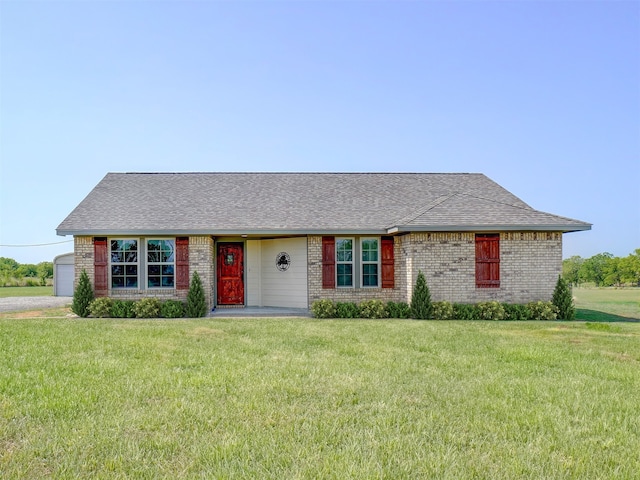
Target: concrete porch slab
[255, 312]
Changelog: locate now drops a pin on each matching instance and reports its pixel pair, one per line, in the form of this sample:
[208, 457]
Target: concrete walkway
[254, 312]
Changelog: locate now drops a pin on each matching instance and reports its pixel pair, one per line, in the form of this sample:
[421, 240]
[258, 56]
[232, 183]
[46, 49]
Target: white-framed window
[124, 258]
[370, 257]
[358, 262]
[142, 263]
[344, 262]
[161, 260]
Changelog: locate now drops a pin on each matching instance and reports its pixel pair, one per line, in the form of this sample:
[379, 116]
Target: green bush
[82, 296]
[347, 310]
[147, 308]
[196, 300]
[101, 307]
[323, 309]
[491, 310]
[421, 299]
[123, 309]
[516, 311]
[373, 309]
[172, 309]
[398, 310]
[464, 311]
[563, 300]
[542, 310]
[442, 310]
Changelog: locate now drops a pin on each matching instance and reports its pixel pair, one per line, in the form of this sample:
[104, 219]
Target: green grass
[26, 291]
[304, 398]
[607, 304]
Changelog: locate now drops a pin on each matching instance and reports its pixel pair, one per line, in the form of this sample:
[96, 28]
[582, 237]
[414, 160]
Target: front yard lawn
[304, 398]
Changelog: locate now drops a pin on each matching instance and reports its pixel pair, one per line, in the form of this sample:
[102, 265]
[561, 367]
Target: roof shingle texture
[301, 202]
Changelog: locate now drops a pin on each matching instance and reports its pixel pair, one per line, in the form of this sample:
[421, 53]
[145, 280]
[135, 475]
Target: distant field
[26, 291]
[614, 302]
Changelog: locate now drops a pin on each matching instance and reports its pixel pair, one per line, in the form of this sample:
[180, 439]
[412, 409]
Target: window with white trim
[357, 262]
[370, 255]
[161, 263]
[344, 262]
[124, 263]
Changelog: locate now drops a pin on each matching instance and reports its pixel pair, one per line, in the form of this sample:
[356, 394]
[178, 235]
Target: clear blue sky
[543, 97]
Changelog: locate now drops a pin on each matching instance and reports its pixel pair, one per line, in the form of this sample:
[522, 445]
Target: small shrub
[464, 311]
[373, 309]
[172, 309]
[147, 308]
[398, 310]
[101, 307]
[542, 310]
[515, 311]
[323, 309]
[421, 299]
[82, 296]
[442, 310]
[563, 300]
[490, 310]
[32, 282]
[123, 309]
[196, 301]
[347, 310]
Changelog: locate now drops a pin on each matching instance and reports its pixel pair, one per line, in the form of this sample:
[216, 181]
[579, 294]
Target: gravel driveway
[14, 304]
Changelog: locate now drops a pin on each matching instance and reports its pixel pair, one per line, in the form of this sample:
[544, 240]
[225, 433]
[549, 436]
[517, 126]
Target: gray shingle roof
[290, 203]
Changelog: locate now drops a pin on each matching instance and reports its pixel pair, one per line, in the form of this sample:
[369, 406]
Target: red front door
[230, 273]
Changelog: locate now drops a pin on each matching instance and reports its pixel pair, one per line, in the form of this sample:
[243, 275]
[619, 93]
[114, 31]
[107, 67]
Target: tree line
[603, 269]
[14, 274]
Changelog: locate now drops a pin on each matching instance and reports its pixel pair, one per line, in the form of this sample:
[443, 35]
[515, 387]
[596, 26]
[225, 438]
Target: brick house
[288, 239]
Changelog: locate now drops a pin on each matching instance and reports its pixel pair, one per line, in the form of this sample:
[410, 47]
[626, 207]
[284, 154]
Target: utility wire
[38, 244]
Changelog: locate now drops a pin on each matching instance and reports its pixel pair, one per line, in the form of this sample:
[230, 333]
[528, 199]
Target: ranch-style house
[288, 239]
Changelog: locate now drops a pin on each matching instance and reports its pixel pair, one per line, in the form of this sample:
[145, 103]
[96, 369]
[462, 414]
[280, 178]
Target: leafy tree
[563, 300]
[45, 270]
[421, 306]
[571, 269]
[630, 268]
[83, 296]
[196, 301]
[593, 269]
[8, 265]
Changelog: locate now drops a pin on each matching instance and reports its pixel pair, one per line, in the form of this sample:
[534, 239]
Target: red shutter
[328, 262]
[488, 261]
[100, 266]
[182, 263]
[387, 263]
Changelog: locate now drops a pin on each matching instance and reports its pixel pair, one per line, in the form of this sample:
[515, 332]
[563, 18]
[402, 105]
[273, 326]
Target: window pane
[132, 282]
[131, 257]
[167, 257]
[167, 269]
[117, 270]
[117, 257]
[154, 282]
[345, 275]
[117, 282]
[153, 245]
[153, 257]
[370, 275]
[370, 250]
[131, 270]
[153, 269]
[167, 281]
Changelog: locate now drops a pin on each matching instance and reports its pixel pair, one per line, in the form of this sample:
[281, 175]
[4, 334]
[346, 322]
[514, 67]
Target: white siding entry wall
[268, 286]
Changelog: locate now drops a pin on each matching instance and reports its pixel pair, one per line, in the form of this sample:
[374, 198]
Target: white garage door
[63, 281]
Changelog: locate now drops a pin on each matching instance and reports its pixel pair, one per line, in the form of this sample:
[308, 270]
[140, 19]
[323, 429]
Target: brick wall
[200, 260]
[530, 263]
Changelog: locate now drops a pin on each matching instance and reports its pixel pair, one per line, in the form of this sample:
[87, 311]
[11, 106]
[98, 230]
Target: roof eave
[223, 232]
[488, 228]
